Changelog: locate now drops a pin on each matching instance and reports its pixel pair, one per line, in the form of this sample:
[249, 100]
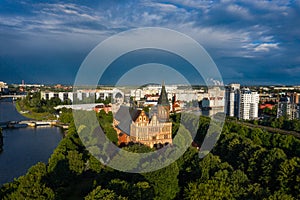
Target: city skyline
[251, 42]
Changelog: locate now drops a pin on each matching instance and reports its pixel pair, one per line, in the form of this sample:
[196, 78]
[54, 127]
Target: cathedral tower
[163, 106]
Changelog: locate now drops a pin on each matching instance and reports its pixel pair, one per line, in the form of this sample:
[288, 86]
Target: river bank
[29, 113]
[39, 117]
[24, 147]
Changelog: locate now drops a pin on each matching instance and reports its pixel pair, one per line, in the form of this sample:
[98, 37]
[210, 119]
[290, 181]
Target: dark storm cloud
[250, 41]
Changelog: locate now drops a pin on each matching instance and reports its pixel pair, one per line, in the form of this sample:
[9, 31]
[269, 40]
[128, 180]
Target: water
[24, 147]
[8, 111]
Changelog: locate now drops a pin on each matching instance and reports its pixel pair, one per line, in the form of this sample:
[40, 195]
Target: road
[270, 129]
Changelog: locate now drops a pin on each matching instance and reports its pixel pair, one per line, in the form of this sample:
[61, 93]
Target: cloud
[234, 32]
[167, 7]
[82, 12]
[266, 47]
[194, 4]
[151, 17]
[239, 11]
[292, 70]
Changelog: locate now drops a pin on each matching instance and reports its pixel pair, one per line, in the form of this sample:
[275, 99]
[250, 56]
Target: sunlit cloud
[266, 47]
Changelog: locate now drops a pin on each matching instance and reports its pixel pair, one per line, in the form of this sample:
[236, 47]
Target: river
[24, 147]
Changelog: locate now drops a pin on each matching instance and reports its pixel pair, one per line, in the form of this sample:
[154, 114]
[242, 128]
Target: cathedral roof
[126, 115]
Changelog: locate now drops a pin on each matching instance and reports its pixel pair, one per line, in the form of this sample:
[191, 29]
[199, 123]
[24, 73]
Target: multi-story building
[81, 94]
[186, 94]
[3, 86]
[151, 129]
[294, 97]
[287, 108]
[267, 98]
[248, 107]
[214, 102]
[137, 94]
[232, 100]
[241, 103]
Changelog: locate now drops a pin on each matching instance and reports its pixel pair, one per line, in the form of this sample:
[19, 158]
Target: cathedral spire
[163, 98]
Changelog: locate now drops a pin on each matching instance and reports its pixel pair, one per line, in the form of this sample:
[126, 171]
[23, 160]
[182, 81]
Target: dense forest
[246, 163]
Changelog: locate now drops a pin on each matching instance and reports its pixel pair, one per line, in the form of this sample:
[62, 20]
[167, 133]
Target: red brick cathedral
[151, 129]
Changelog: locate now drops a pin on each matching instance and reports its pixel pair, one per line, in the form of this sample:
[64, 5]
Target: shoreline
[39, 117]
[31, 115]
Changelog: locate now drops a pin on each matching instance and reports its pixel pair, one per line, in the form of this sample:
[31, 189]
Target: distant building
[183, 93]
[215, 98]
[186, 95]
[137, 94]
[62, 87]
[248, 108]
[267, 98]
[177, 105]
[294, 97]
[241, 103]
[3, 86]
[101, 106]
[79, 95]
[117, 99]
[117, 96]
[287, 108]
[86, 107]
[214, 102]
[266, 105]
[63, 96]
[151, 129]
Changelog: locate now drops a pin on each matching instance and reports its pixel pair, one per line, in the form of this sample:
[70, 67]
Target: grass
[33, 115]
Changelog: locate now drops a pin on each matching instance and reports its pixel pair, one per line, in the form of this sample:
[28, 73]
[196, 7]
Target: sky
[251, 41]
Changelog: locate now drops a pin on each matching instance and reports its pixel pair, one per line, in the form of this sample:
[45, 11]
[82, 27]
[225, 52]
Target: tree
[106, 101]
[120, 186]
[94, 164]
[270, 166]
[212, 189]
[146, 109]
[142, 190]
[280, 195]
[54, 101]
[66, 116]
[288, 176]
[76, 164]
[246, 163]
[103, 194]
[105, 121]
[32, 186]
[111, 134]
[137, 148]
[164, 182]
[238, 183]
[67, 102]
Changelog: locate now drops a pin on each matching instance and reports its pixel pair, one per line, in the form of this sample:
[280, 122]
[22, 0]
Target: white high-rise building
[232, 100]
[248, 108]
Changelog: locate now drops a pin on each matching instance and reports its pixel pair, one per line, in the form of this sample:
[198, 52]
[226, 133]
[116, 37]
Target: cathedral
[153, 129]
